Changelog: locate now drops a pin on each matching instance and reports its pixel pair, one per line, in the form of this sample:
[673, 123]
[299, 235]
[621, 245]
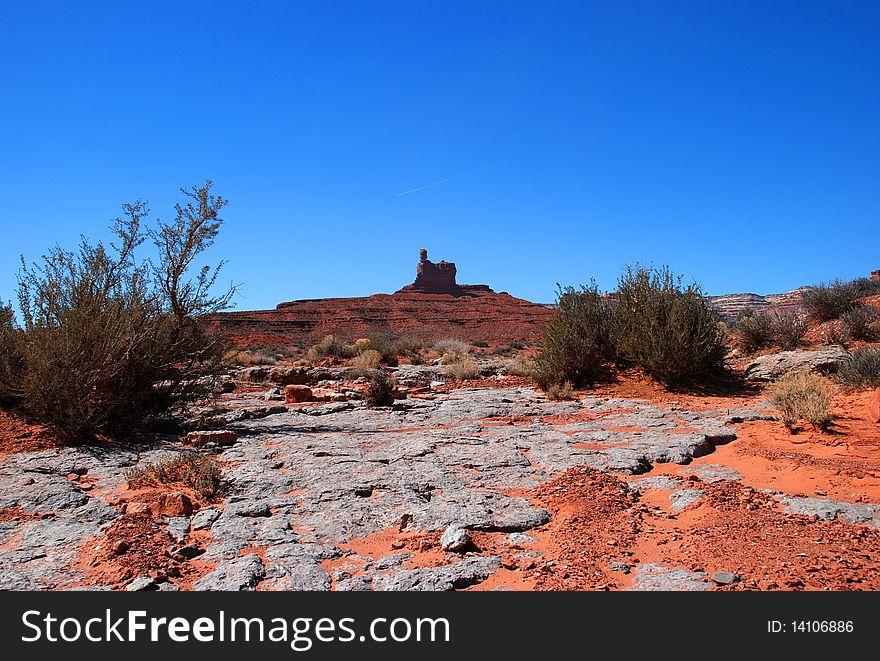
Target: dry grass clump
[368, 360]
[561, 392]
[249, 357]
[189, 469]
[520, 366]
[802, 395]
[460, 367]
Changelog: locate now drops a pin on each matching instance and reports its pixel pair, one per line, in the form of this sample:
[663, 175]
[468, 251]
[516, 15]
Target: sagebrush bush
[10, 355]
[517, 346]
[480, 344]
[667, 329]
[576, 346]
[861, 322]
[861, 369]
[189, 469]
[802, 395]
[110, 343]
[826, 302]
[380, 391]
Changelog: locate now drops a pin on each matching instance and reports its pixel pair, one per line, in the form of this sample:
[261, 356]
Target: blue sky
[735, 141]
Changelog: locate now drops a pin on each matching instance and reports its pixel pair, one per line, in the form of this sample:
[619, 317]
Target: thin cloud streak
[436, 183]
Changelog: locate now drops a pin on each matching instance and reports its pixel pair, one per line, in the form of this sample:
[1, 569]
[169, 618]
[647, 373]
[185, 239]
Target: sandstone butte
[433, 307]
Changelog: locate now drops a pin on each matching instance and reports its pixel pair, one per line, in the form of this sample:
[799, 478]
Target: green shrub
[802, 395]
[668, 330]
[380, 392]
[111, 343]
[861, 322]
[502, 351]
[576, 347]
[825, 302]
[861, 369]
[10, 356]
[481, 344]
[517, 346]
[189, 469]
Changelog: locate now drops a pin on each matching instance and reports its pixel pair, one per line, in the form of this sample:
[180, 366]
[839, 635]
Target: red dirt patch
[19, 435]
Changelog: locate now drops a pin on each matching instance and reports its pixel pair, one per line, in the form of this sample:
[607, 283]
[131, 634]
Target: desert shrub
[517, 346]
[561, 392]
[10, 356]
[111, 343]
[802, 395]
[380, 391]
[753, 331]
[331, 347]
[189, 469]
[576, 346]
[481, 344]
[386, 350]
[667, 329]
[861, 322]
[789, 330]
[825, 302]
[502, 351]
[861, 369]
[369, 359]
[462, 368]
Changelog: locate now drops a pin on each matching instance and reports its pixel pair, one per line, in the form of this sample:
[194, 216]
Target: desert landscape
[431, 439]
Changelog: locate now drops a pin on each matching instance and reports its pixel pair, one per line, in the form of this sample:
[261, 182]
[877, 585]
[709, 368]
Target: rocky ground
[481, 485]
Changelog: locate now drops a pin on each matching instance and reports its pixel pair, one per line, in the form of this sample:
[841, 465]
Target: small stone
[620, 566]
[455, 538]
[204, 519]
[121, 547]
[173, 504]
[724, 578]
[140, 584]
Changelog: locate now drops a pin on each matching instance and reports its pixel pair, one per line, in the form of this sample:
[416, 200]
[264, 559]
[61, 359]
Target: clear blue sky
[735, 141]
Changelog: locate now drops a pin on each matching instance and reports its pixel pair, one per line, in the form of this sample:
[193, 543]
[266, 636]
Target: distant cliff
[730, 305]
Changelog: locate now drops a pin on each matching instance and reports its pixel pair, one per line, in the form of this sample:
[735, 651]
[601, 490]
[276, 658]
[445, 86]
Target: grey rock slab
[714, 473]
[656, 482]
[772, 366]
[457, 575]
[235, 575]
[178, 526]
[853, 513]
[204, 519]
[656, 577]
[685, 497]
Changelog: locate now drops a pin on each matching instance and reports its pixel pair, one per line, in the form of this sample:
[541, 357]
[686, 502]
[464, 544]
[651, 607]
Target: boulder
[172, 504]
[774, 365]
[297, 393]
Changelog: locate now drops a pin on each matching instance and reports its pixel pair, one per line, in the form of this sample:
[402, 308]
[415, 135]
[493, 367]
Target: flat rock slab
[656, 577]
[829, 510]
[772, 366]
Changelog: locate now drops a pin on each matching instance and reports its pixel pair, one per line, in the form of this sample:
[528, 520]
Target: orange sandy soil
[19, 435]
[734, 527]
